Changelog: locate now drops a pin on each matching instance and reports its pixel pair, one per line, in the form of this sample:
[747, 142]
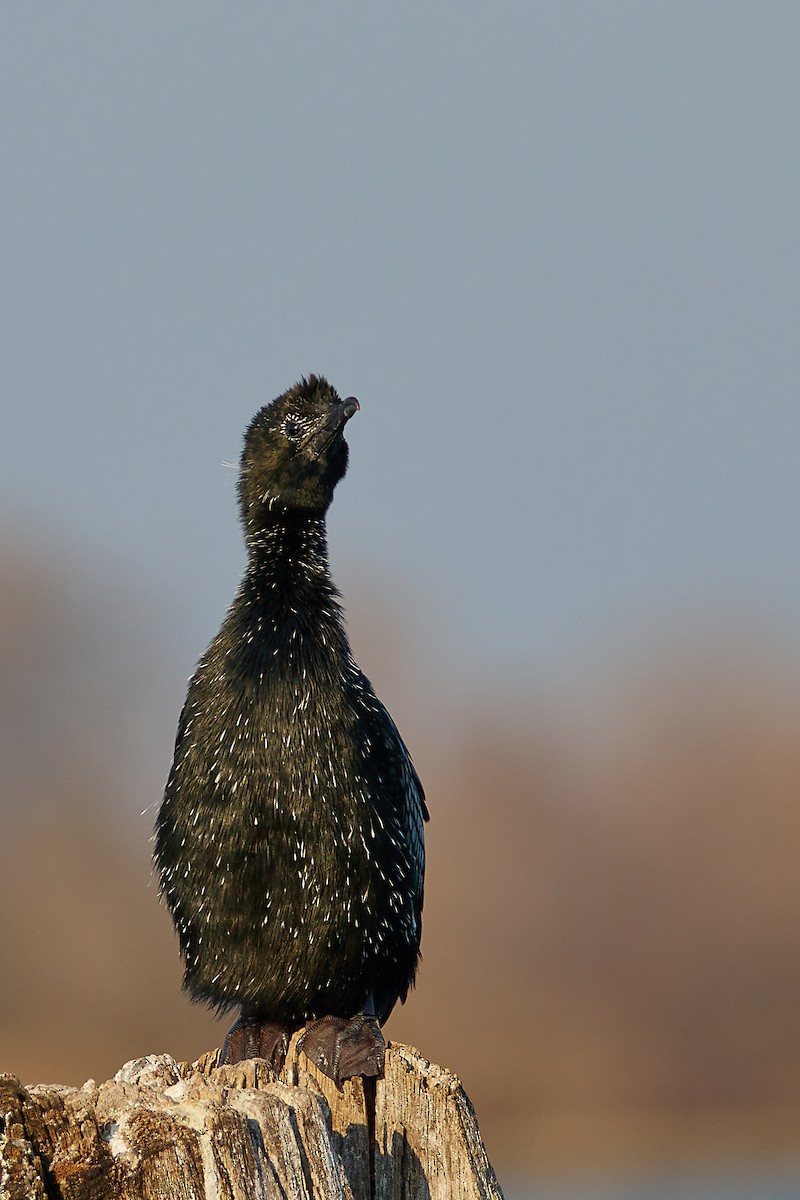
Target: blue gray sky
[553, 248]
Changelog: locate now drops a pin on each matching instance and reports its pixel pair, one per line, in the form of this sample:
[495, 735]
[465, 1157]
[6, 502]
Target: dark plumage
[290, 838]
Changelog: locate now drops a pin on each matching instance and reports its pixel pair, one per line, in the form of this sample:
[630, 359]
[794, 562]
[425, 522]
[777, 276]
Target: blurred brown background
[611, 929]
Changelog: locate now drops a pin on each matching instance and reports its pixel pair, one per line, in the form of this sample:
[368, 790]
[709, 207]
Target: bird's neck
[288, 560]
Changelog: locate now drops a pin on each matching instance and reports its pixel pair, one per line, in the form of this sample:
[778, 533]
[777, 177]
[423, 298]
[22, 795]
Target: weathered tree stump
[199, 1131]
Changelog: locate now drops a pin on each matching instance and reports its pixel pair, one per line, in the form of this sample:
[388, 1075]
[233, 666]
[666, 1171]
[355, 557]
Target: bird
[290, 838]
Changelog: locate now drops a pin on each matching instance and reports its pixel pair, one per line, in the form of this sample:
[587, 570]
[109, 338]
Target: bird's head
[294, 452]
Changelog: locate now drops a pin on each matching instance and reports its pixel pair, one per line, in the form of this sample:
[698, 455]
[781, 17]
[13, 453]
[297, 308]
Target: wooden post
[199, 1131]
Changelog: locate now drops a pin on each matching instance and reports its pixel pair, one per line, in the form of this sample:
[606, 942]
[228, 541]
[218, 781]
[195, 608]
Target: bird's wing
[400, 798]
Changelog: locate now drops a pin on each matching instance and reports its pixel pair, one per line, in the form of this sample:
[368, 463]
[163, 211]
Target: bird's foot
[343, 1049]
[251, 1037]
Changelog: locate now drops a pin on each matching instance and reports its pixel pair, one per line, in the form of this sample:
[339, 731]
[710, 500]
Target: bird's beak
[323, 438]
[350, 407]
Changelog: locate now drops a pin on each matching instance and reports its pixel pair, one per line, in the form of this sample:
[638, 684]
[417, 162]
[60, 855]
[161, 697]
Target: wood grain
[201, 1131]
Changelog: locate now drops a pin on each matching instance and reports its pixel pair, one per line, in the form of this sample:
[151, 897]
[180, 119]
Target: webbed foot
[343, 1049]
[251, 1037]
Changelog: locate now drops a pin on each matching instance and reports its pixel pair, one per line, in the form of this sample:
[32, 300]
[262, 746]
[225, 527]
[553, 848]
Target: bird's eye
[292, 429]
